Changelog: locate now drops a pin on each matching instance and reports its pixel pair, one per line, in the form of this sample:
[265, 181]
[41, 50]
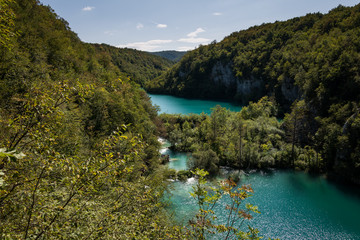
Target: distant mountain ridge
[172, 55]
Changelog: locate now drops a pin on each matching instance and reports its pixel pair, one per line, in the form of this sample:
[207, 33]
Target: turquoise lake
[293, 205]
[176, 105]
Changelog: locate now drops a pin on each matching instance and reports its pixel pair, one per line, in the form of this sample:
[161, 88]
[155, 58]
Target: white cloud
[161, 25]
[184, 48]
[194, 34]
[111, 33]
[217, 13]
[88, 9]
[194, 40]
[139, 26]
[192, 37]
[147, 46]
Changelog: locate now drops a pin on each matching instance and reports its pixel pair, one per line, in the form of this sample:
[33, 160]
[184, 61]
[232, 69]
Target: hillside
[140, 66]
[174, 56]
[78, 146]
[314, 59]
[272, 59]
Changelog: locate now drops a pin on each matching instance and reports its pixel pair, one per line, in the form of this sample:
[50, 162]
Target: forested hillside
[311, 63]
[78, 145]
[142, 67]
[284, 59]
[174, 56]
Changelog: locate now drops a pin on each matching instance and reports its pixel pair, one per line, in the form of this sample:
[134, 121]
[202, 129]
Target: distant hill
[140, 66]
[174, 56]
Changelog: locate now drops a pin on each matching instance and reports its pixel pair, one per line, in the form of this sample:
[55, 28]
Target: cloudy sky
[155, 25]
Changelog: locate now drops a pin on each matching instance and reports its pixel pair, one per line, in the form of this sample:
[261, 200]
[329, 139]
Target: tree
[296, 126]
[7, 23]
[205, 158]
[205, 224]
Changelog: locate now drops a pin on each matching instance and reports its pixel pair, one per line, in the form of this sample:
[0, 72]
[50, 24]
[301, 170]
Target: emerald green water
[293, 205]
[176, 105]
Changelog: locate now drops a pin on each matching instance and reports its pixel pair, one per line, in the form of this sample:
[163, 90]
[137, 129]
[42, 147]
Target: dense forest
[250, 139]
[174, 56]
[141, 67]
[79, 149]
[308, 65]
[78, 146]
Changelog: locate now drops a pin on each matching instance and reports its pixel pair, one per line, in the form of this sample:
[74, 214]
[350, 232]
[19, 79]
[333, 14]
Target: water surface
[175, 105]
[293, 205]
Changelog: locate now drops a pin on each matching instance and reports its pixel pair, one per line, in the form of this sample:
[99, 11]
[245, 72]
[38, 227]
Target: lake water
[176, 105]
[293, 205]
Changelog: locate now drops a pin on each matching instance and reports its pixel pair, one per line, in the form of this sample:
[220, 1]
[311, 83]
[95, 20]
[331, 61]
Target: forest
[250, 139]
[78, 140]
[308, 66]
[79, 149]
[140, 66]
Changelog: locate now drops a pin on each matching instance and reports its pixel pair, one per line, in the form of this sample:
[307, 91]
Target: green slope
[277, 59]
[78, 145]
[174, 56]
[141, 66]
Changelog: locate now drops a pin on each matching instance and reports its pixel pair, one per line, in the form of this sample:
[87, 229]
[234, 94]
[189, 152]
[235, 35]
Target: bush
[183, 175]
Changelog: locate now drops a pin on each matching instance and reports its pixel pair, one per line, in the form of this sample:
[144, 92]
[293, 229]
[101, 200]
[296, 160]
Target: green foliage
[78, 149]
[7, 24]
[251, 138]
[174, 56]
[206, 159]
[141, 67]
[204, 225]
[183, 175]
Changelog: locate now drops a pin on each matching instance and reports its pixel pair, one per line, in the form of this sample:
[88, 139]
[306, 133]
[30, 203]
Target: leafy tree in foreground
[7, 24]
[204, 225]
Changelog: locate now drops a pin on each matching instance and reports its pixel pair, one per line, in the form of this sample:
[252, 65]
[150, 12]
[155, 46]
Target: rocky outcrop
[244, 90]
[222, 74]
[250, 89]
[289, 90]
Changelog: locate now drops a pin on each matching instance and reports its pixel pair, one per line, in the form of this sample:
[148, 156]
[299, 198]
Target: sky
[157, 25]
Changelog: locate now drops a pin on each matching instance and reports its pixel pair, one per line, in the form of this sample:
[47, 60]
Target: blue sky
[155, 25]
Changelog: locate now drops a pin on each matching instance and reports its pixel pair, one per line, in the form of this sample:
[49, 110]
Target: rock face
[250, 89]
[223, 75]
[219, 81]
[289, 90]
[244, 90]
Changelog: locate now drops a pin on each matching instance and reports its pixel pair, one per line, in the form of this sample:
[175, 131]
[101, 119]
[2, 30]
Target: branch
[33, 202]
